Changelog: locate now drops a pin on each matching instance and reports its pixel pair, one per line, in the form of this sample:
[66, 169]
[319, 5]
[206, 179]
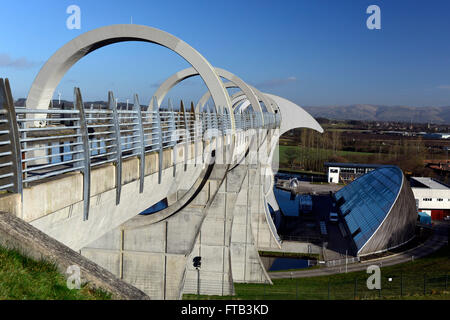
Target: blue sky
[311, 52]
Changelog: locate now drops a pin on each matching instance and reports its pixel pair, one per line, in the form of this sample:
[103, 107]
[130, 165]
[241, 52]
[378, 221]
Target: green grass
[409, 276]
[22, 278]
[290, 170]
[312, 151]
[310, 156]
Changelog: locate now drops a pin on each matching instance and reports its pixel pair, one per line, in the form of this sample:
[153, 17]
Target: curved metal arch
[264, 99]
[201, 103]
[270, 104]
[173, 80]
[260, 96]
[240, 105]
[237, 102]
[55, 68]
[293, 115]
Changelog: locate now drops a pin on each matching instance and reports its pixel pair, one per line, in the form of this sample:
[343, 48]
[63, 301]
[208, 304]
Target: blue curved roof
[367, 201]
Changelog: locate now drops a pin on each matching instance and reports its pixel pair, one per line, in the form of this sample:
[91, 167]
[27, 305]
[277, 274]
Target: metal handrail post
[156, 109]
[187, 133]
[112, 106]
[16, 155]
[140, 130]
[86, 163]
[172, 130]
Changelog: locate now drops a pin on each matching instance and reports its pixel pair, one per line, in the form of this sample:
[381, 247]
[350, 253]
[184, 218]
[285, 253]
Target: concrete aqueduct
[82, 175]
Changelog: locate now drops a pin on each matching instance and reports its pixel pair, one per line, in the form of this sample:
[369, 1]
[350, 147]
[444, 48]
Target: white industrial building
[432, 197]
[347, 172]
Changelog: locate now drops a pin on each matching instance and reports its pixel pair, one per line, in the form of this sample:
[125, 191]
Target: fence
[393, 286]
[344, 261]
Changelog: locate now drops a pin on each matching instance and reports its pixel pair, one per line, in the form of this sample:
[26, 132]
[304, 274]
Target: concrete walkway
[439, 239]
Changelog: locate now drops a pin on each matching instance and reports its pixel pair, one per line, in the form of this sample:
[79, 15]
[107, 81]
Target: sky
[312, 52]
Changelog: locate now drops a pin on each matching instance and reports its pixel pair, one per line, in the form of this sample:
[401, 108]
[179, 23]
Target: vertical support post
[140, 129]
[84, 139]
[329, 284]
[446, 282]
[187, 133]
[113, 107]
[6, 100]
[166, 236]
[195, 135]
[424, 284]
[401, 284]
[216, 129]
[156, 111]
[122, 246]
[206, 126]
[208, 130]
[221, 116]
[209, 124]
[355, 289]
[172, 133]
[198, 283]
[61, 150]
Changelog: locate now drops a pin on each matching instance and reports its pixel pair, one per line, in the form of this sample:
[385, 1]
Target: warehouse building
[347, 172]
[432, 197]
[378, 210]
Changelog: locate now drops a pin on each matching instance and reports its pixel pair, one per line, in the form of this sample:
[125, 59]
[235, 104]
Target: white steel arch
[55, 68]
[173, 80]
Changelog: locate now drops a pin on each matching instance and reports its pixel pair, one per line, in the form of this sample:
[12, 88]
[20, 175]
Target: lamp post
[196, 262]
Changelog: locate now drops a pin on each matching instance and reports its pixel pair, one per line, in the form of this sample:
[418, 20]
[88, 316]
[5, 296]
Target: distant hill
[437, 115]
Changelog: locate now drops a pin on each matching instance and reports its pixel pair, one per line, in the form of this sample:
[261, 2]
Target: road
[439, 239]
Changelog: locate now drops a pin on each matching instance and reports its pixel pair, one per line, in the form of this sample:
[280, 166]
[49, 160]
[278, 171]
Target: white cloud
[19, 63]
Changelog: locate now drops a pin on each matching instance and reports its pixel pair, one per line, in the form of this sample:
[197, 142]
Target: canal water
[277, 264]
[288, 207]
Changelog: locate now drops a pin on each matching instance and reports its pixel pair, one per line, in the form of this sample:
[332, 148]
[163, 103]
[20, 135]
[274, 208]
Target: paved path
[439, 239]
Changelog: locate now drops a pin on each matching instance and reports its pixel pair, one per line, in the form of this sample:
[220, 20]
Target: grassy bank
[425, 278]
[22, 278]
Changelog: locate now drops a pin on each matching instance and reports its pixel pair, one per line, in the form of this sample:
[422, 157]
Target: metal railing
[342, 262]
[37, 144]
